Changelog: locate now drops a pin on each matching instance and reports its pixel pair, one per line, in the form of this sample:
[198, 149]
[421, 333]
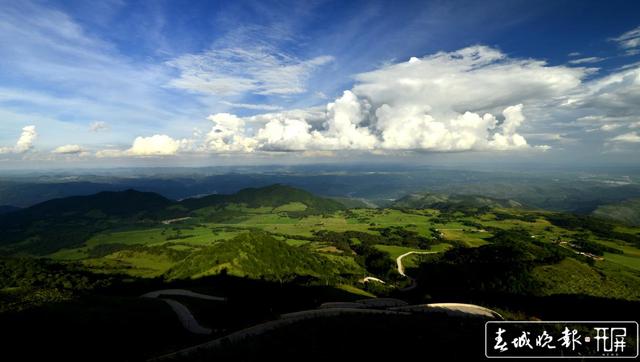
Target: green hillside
[627, 212]
[460, 245]
[67, 222]
[451, 202]
[270, 196]
[260, 256]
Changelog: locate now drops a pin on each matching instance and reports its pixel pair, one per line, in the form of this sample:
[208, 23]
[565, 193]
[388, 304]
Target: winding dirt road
[399, 260]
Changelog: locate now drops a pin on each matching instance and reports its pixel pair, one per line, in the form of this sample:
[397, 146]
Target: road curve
[374, 279]
[187, 319]
[182, 292]
[183, 313]
[286, 319]
[399, 260]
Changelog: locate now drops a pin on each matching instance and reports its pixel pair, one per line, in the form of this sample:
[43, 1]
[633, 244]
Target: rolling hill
[259, 256]
[452, 202]
[68, 222]
[627, 212]
[65, 222]
[269, 196]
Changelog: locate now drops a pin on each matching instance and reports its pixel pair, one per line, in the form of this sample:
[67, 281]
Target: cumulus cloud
[442, 102]
[25, 141]
[230, 71]
[228, 134]
[476, 98]
[68, 150]
[156, 145]
[472, 79]
[27, 137]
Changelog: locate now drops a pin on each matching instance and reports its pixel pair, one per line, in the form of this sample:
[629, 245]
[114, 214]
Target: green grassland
[299, 231]
[282, 234]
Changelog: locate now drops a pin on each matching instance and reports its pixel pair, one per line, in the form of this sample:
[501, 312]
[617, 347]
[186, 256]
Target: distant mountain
[270, 196]
[106, 203]
[69, 221]
[627, 212]
[5, 209]
[451, 202]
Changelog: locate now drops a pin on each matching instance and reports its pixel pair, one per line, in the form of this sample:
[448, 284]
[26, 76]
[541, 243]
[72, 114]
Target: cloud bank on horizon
[254, 91]
[466, 100]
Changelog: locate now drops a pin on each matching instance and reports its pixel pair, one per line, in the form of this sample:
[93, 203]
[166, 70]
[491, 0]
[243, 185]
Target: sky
[112, 83]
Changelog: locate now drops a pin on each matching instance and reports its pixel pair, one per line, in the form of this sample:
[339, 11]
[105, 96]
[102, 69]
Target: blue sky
[203, 81]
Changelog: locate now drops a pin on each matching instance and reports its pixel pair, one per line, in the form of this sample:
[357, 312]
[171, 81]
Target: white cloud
[473, 79]
[261, 107]
[27, 137]
[98, 126]
[552, 136]
[613, 98]
[228, 134]
[24, 143]
[587, 60]
[629, 41]
[476, 98]
[631, 137]
[610, 127]
[156, 145]
[285, 134]
[68, 150]
[232, 71]
[344, 126]
[443, 102]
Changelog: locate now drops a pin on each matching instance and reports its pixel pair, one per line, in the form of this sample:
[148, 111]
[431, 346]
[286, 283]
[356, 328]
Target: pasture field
[186, 236]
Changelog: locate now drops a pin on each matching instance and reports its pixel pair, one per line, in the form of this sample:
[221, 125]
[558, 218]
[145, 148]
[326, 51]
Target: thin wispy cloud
[630, 41]
[587, 60]
[260, 107]
[232, 71]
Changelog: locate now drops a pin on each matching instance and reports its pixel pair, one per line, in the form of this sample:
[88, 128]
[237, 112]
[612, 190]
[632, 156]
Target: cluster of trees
[259, 256]
[375, 261]
[598, 227]
[27, 282]
[394, 235]
[362, 244]
[503, 266]
[594, 248]
[397, 235]
[102, 250]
